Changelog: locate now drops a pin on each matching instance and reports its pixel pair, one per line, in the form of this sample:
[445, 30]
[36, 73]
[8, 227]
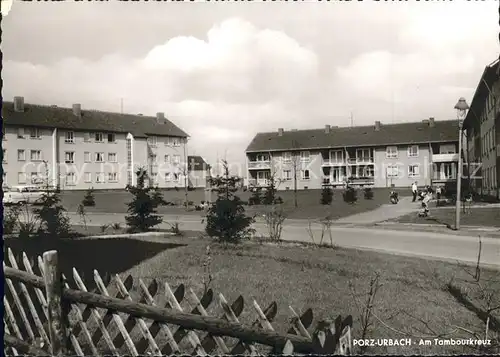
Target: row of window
[489, 105]
[168, 177]
[488, 141]
[169, 141]
[490, 178]
[34, 155]
[69, 157]
[167, 159]
[365, 155]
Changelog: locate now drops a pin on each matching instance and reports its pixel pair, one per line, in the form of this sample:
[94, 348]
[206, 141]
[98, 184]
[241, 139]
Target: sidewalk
[493, 232]
[383, 213]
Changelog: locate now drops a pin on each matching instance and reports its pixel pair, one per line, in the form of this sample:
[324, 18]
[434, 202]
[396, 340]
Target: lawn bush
[88, 199]
[142, 209]
[326, 195]
[53, 221]
[350, 195]
[256, 197]
[368, 192]
[226, 218]
[10, 219]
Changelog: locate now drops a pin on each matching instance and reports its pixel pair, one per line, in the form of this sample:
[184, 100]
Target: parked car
[23, 195]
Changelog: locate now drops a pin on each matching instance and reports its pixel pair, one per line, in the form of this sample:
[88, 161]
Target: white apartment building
[76, 149]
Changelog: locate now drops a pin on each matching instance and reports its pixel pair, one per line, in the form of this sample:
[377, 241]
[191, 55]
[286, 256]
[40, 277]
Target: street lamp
[461, 108]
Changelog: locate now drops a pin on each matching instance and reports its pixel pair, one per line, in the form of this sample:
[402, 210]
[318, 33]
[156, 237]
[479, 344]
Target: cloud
[219, 88]
[405, 62]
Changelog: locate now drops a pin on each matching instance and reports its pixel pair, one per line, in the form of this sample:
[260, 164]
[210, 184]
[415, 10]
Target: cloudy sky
[224, 71]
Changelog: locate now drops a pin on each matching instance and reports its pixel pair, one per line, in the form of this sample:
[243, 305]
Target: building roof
[339, 137]
[90, 120]
[488, 78]
[197, 163]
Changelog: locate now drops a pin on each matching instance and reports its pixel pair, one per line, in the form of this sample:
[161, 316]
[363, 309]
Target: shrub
[270, 194]
[274, 222]
[256, 197]
[278, 200]
[142, 209]
[88, 199]
[10, 220]
[326, 195]
[368, 192]
[226, 218]
[350, 195]
[52, 216]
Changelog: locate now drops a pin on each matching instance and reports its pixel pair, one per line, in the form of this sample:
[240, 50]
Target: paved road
[418, 243]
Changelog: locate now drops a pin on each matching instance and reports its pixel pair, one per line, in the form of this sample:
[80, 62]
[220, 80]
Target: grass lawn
[488, 217]
[318, 278]
[308, 202]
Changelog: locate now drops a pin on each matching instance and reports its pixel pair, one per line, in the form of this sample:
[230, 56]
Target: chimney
[160, 117]
[77, 110]
[327, 129]
[19, 104]
[377, 126]
[431, 122]
[280, 132]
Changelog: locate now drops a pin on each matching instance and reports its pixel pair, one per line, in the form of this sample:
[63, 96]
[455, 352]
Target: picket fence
[45, 316]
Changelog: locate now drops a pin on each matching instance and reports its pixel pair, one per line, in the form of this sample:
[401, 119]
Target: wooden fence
[45, 316]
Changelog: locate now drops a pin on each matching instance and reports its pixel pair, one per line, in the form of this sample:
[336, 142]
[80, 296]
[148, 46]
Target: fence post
[53, 288]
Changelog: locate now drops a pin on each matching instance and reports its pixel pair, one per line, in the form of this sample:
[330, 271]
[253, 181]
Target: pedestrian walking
[414, 190]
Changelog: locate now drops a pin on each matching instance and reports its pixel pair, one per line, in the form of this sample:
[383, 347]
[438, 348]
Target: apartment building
[75, 149]
[482, 126]
[383, 155]
[199, 172]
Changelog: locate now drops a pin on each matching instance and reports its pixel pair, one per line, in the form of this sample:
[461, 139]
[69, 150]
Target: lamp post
[461, 108]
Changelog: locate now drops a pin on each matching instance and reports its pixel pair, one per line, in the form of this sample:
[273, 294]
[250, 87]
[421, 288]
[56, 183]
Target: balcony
[259, 165]
[333, 162]
[360, 161]
[361, 180]
[445, 157]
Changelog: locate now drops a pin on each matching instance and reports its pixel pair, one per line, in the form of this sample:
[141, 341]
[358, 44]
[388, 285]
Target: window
[4, 155]
[111, 138]
[99, 177]
[413, 171]
[337, 156]
[86, 156]
[87, 177]
[392, 171]
[34, 133]
[447, 149]
[176, 176]
[363, 155]
[447, 171]
[99, 157]
[304, 156]
[305, 175]
[287, 156]
[413, 151]
[21, 155]
[113, 177]
[86, 137]
[168, 177]
[168, 141]
[152, 140]
[154, 177]
[21, 177]
[391, 152]
[112, 157]
[69, 157]
[69, 137]
[263, 157]
[177, 159]
[176, 141]
[98, 138]
[20, 133]
[70, 179]
[287, 175]
[167, 159]
[34, 178]
[36, 155]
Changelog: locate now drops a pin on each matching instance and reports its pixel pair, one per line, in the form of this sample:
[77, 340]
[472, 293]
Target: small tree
[142, 209]
[226, 219]
[368, 192]
[270, 197]
[88, 199]
[255, 197]
[54, 222]
[326, 195]
[350, 195]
